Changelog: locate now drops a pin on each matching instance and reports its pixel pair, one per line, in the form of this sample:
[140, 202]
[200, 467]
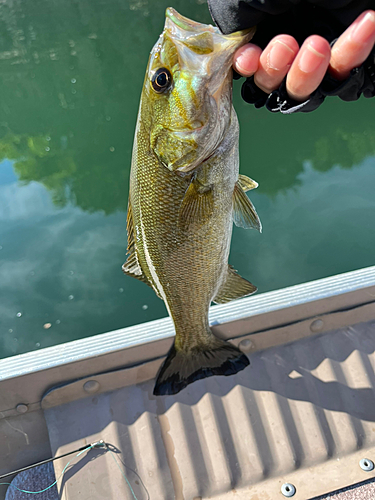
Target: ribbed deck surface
[302, 413]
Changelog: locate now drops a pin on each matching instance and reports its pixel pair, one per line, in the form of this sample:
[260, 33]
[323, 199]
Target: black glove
[300, 19]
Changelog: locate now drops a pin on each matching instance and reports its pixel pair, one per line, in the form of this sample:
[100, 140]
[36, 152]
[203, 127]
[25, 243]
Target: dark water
[70, 78]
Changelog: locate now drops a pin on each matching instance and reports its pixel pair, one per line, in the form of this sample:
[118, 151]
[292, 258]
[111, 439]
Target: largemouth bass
[185, 193]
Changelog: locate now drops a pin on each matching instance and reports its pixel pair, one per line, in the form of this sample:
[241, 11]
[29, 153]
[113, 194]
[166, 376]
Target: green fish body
[186, 191]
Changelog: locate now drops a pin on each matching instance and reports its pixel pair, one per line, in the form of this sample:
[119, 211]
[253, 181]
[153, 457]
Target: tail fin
[181, 368]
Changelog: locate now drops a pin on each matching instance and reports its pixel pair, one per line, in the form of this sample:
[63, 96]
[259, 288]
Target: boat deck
[302, 413]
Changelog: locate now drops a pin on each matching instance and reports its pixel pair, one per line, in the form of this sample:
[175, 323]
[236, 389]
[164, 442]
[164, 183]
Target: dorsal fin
[132, 266]
[234, 287]
[244, 213]
[130, 228]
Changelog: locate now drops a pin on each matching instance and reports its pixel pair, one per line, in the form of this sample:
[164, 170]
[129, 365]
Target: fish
[185, 192]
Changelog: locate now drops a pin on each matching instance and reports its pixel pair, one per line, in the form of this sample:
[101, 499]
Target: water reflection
[274, 148]
[345, 147]
[61, 267]
[71, 75]
[325, 226]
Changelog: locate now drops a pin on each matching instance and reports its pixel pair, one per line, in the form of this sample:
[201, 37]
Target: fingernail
[247, 62]
[310, 59]
[280, 56]
[239, 64]
[364, 29]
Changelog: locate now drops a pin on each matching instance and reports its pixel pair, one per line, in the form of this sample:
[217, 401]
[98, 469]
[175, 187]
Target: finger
[353, 46]
[308, 68]
[275, 62]
[246, 59]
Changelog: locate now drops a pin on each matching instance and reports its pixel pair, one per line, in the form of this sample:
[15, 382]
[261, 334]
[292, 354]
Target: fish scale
[185, 193]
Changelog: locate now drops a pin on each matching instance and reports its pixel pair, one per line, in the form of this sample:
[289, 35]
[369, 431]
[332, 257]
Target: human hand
[305, 67]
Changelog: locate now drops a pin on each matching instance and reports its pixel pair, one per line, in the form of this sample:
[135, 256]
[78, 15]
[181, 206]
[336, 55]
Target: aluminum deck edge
[248, 308]
[259, 325]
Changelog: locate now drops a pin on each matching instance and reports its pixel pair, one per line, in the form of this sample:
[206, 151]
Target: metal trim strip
[263, 304]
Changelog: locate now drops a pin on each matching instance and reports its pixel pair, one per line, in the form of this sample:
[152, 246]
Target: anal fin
[234, 287]
[244, 213]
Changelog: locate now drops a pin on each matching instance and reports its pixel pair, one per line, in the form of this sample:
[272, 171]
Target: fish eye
[161, 80]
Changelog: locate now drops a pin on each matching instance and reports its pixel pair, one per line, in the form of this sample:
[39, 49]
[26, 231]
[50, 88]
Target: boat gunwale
[276, 302]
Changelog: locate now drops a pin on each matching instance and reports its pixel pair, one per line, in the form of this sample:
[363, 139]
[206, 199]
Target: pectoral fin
[244, 213]
[132, 266]
[234, 287]
[197, 205]
[246, 183]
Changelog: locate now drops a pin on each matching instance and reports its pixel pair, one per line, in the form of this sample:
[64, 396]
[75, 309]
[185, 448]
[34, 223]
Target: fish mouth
[188, 24]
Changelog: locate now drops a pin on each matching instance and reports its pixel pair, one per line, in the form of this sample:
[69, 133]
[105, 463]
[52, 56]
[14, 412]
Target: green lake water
[70, 78]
